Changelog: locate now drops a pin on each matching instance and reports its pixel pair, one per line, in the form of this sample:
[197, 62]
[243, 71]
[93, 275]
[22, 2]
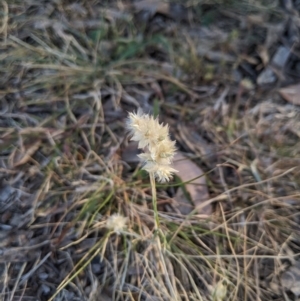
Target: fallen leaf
[291, 94]
[197, 189]
[153, 6]
[23, 158]
[263, 54]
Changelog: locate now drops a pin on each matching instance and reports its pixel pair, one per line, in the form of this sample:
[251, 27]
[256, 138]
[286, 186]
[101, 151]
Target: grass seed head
[116, 222]
[154, 139]
[162, 172]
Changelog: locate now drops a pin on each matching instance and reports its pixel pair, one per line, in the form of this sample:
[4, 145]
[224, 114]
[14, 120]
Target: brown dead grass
[69, 74]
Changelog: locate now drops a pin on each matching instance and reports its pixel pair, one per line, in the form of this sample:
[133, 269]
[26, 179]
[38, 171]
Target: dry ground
[214, 71]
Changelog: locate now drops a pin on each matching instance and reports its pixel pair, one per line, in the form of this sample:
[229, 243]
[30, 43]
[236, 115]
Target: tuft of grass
[69, 75]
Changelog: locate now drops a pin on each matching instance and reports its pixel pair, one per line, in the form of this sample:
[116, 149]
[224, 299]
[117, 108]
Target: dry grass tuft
[70, 72]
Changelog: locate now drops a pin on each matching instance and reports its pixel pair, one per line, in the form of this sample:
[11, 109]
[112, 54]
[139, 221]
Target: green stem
[154, 200]
[156, 228]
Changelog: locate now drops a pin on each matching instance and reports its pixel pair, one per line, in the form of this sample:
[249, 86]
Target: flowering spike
[154, 139]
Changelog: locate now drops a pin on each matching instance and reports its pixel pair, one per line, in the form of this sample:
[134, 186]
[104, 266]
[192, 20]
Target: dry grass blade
[24, 157]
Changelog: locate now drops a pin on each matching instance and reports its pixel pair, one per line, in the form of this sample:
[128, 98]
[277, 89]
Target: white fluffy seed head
[154, 139]
[116, 222]
[163, 151]
[143, 128]
[162, 172]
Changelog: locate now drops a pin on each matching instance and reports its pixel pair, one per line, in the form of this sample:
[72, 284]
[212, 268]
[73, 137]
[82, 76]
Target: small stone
[6, 192]
[96, 268]
[236, 76]
[281, 56]
[266, 77]
[43, 276]
[46, 289]
[5, 227]
[290, 279]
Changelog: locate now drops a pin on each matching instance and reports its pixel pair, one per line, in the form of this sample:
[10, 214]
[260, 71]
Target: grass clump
[78, 219]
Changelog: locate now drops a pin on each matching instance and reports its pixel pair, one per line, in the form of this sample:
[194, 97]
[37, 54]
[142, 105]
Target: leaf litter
[69, 75]
[291, 94]
[195, 191]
